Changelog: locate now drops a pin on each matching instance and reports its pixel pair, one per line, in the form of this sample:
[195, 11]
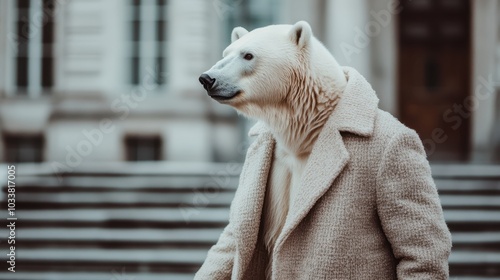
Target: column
[384, 54]
[190, 43]
[349, 32]
[3, 44]
[483, 92]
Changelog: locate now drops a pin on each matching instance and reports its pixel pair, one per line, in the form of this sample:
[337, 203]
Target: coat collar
[355, 113]
[249, 200]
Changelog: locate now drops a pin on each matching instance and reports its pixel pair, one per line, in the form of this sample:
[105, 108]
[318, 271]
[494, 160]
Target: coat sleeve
[410, 211]
[219, 262]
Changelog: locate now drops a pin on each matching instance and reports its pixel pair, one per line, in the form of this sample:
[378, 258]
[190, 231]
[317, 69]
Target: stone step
[181, 215]
[468, 186]
[123, 235]
[140, 182]
[475, 238]
[467, 201]
[121, 199]
[113, 256]
[465, 171]
[459, 257]
[472, 216]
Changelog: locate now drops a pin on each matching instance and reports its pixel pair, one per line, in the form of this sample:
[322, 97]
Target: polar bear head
[271, 67]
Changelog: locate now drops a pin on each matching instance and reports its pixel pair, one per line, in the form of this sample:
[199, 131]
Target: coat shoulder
[387, 127]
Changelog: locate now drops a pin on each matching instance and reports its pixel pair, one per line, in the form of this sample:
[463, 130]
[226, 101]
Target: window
[148, 34]
[143, 148]
[23, 148]
[47, 44]
[251, 14]
[34, 59]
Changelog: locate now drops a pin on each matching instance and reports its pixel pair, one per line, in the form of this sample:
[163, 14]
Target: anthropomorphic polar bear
[316, 195]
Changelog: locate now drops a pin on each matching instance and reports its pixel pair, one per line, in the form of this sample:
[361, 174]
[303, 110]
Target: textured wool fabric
[367, 207]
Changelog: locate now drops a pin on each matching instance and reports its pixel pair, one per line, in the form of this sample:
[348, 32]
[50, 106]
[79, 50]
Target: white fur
[292, 84]
[282, 185]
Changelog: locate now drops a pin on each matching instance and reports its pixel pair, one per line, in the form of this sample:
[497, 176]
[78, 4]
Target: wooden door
[434, 74]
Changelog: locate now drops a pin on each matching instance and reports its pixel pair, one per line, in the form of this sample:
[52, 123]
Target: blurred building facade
[434, 65]
[110, 80]
[99, 81]
[113, 80]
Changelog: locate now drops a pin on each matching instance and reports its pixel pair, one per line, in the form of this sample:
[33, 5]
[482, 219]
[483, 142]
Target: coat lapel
[328, 158]
[249, 200]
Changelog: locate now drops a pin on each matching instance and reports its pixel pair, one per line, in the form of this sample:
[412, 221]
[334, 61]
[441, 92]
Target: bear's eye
[248, 56]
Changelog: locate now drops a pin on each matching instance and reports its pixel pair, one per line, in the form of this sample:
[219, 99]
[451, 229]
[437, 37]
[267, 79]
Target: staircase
[470, 196]
[151, 221]
[126, 222]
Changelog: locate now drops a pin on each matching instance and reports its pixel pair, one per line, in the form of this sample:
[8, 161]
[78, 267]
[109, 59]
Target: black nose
[206, 81]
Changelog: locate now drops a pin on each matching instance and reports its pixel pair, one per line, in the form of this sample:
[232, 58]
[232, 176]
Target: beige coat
[367, 207]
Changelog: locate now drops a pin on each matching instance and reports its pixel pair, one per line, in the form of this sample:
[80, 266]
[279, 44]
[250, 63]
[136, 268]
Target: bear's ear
[237, 33]
[301, 34]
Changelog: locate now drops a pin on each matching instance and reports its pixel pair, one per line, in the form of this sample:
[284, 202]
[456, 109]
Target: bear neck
[297, 123]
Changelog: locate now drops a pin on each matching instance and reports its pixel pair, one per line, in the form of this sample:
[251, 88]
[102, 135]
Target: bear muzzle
[219, 93]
